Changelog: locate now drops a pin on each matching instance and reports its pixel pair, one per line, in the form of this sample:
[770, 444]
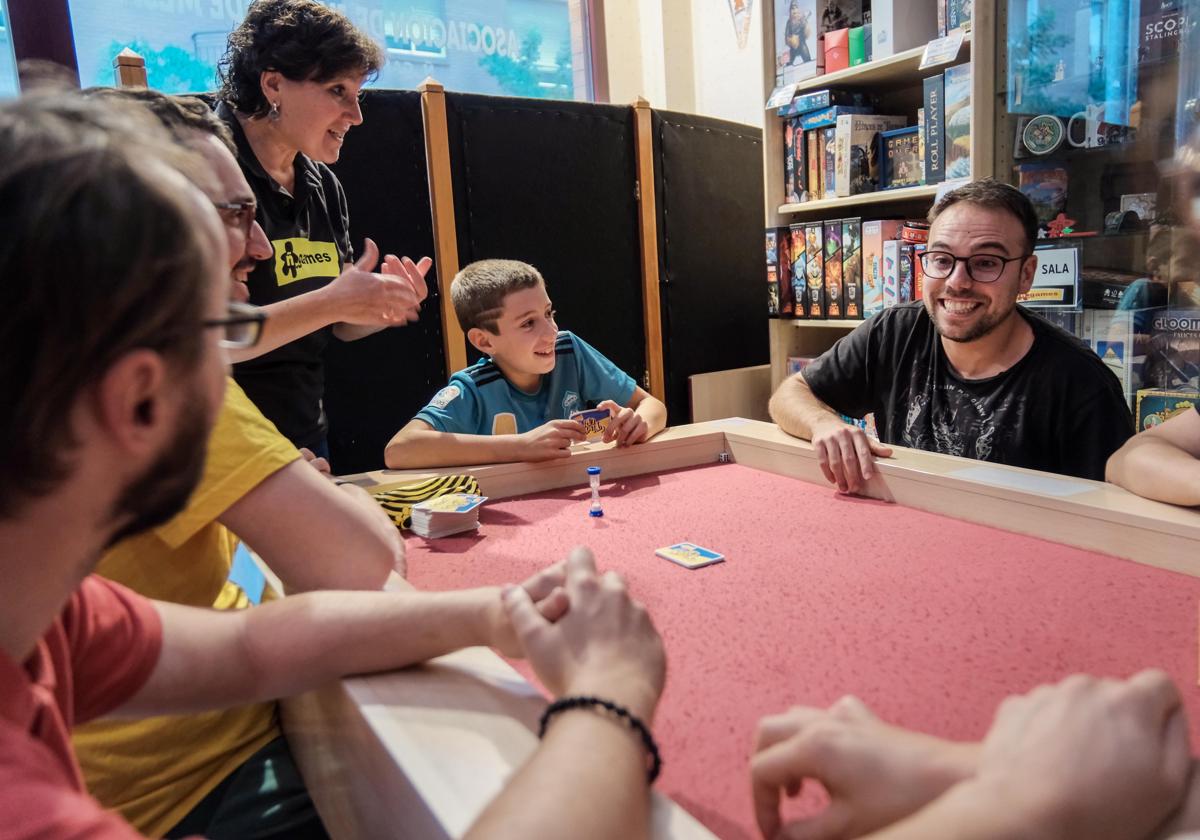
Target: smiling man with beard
[965, 371]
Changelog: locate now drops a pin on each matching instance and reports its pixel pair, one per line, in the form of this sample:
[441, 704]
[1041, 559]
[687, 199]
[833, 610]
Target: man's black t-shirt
[1058, 409]
[310, 235]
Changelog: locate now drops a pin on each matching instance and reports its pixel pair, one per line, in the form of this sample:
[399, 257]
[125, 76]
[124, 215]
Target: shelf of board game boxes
[899, 70]
[879, 197]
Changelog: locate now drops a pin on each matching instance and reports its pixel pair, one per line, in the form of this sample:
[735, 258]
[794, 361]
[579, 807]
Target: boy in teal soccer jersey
[515, 403]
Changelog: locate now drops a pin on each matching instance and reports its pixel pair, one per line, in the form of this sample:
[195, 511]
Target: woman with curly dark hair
[290, 84]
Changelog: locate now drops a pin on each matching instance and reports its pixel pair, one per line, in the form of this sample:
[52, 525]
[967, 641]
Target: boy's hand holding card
[595, 422]
[627, 427]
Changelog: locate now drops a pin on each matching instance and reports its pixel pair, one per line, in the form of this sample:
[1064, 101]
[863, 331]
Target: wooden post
[445, 232]
[129, 69]
[648, 234]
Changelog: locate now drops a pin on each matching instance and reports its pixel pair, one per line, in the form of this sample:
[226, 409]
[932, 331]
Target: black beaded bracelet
[623, 714]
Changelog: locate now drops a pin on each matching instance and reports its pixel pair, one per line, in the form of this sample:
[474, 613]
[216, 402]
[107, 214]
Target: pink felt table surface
[930, 620]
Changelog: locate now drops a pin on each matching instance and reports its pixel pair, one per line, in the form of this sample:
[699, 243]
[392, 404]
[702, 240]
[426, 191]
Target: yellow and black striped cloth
[398, 499]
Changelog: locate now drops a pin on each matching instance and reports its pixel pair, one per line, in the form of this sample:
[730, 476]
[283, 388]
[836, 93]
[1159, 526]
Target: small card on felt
[690, 555]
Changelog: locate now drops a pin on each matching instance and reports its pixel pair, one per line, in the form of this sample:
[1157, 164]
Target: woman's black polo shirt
[310, 235]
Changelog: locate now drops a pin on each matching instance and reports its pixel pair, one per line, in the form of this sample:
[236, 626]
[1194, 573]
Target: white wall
[683, 55]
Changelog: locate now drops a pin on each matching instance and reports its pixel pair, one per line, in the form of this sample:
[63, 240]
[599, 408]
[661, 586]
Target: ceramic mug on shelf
[1095, 131]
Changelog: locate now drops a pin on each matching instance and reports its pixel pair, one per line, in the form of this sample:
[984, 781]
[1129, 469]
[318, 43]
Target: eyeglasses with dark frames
[238, 214]
[982, 268]
[242, 325]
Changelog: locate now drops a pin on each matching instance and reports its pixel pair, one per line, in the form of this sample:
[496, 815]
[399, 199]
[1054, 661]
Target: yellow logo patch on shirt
[297, 258]
[504, 423]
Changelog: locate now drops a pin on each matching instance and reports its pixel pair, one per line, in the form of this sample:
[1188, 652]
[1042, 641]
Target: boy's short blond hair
[479, 290]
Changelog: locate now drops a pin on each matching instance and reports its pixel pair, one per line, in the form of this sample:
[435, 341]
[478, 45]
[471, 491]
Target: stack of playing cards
[446, 515]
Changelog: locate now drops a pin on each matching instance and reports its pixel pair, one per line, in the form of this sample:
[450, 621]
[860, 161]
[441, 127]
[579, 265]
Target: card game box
[829, 116]
[814, 267]
[829, 173]
[1157, 405]
[772, 263]
[790, 194]
[835, 306]
[935, 137]
[918, 271]
[799, 275]
[904, 284]
[899, 158]
[957, 98]
[812, 159]
[852, 267]
[857, 151]
[858, 46]
[1173, 355]
[1122, 341]
[787, 303]
[958, 14]
[820, 99]
[891, 272]
[900, 25]
[837, 50]
[874, 233]
[797, 56]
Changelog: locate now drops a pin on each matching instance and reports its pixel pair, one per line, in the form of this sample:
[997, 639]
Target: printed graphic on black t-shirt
[1058, 409]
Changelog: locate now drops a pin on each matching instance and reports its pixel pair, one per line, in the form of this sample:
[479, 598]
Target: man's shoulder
[1069, 350]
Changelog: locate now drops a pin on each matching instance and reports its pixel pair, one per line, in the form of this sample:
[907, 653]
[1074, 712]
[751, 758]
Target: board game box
[1157, 405]
[799, 275]
[835, 305]
[857, 154]
[814, 266]
[852, 268]
[900, 158]
[957, 98]
[874, 234]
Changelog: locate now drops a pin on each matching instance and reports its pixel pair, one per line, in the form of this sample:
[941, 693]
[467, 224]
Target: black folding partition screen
[709, 198]
[552, 183]
[374, 385]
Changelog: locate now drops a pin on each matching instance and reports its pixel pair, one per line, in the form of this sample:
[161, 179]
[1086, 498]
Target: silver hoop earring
[274, 112]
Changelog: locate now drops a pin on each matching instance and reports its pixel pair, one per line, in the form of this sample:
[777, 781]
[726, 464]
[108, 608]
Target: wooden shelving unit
[899, 70]
[834, 206]
[900, 77]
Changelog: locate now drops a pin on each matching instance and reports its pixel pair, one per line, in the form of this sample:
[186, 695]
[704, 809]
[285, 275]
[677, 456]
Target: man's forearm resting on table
[334, 537]
[212, 659]
[1156, 469]
[797, 410]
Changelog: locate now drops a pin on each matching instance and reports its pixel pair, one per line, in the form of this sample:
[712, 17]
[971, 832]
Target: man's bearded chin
[164, 488]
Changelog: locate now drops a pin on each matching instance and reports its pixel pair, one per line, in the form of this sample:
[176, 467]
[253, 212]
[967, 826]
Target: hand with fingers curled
[360, 296]
[1089, 757]
[874, 773]
[846, 454]
[587, 636]
[551, 440]
[626, 427]
[318, 463]
[1104, 759]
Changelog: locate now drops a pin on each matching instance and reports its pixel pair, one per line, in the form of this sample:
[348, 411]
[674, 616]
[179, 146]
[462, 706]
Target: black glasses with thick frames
[242, 325]
[982, 268]
[238, 214]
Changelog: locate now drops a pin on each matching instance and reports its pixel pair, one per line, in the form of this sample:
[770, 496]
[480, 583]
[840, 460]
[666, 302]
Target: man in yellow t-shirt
[225, 774]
